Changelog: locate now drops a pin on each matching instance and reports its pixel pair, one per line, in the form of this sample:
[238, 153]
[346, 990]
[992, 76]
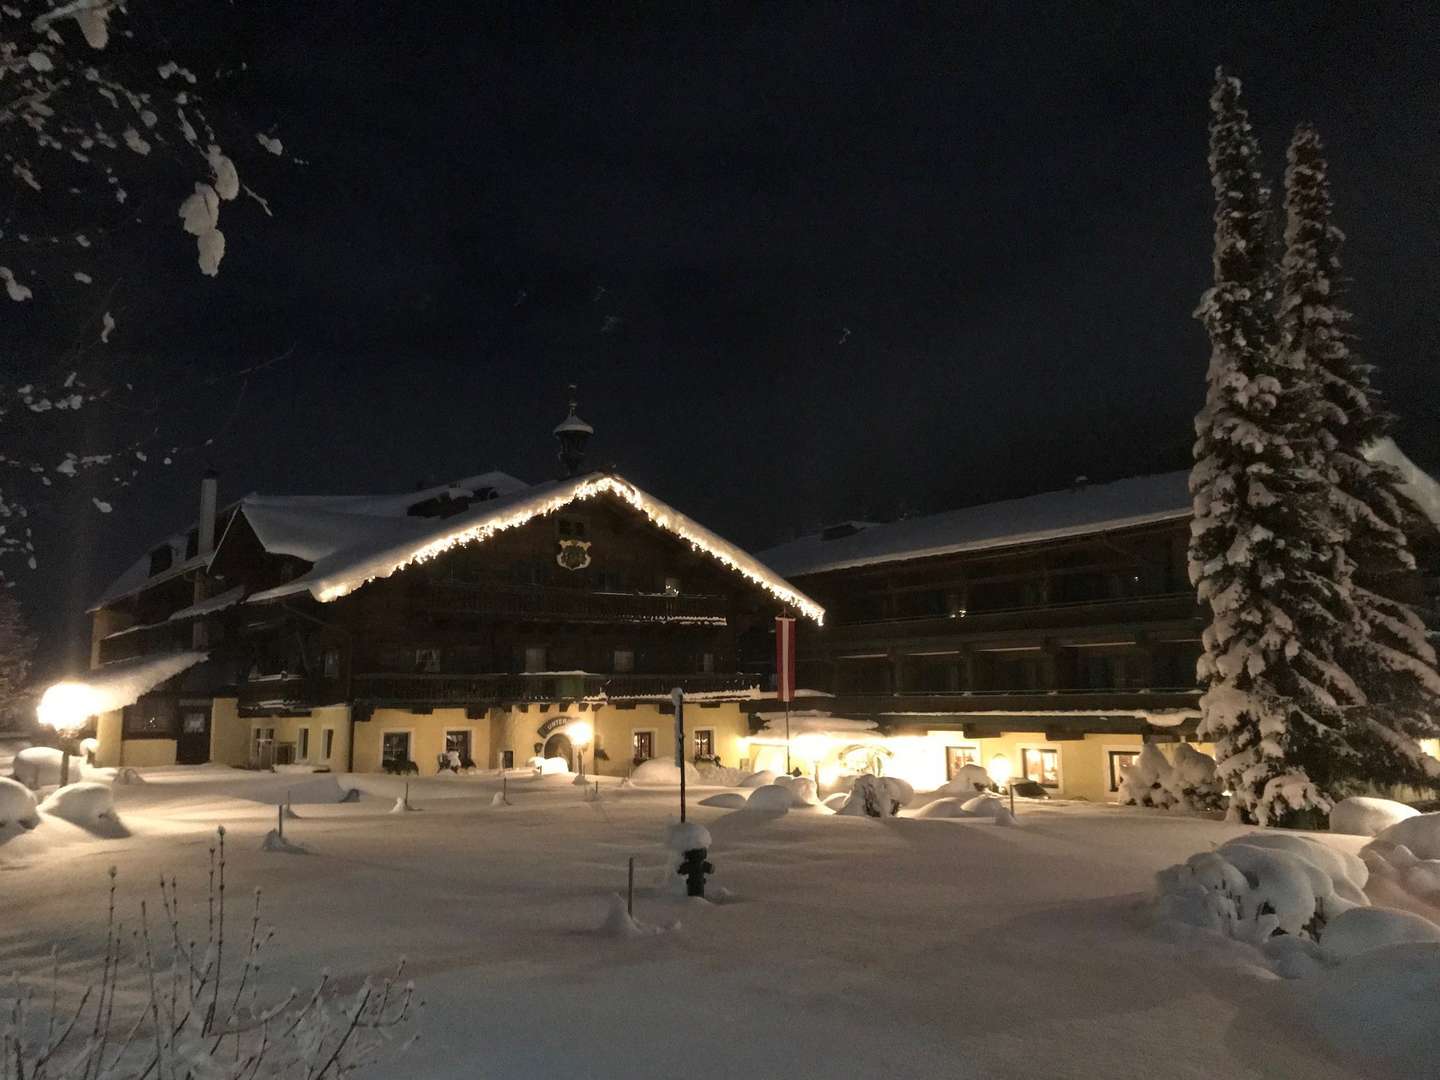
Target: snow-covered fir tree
[1263, 556]
[17, 646]
[1391, 659]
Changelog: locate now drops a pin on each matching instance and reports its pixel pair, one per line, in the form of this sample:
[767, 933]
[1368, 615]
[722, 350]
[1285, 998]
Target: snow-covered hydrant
[694, 867]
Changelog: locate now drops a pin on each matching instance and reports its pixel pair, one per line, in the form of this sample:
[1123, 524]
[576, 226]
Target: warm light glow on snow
[67, 706]
[811, 747]
[661, 515]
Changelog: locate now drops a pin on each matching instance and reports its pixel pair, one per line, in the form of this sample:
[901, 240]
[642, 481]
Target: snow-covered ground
[843, 946]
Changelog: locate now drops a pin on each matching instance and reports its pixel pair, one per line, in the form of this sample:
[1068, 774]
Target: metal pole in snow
[787, 737]
[280, 819]
[407, 794]
[677, 697]
[630, 890]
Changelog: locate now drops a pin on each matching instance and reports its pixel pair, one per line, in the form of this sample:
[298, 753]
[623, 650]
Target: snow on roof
[1421, 488]
[66, 705]
[1139, 500]
[573, 423]
[370, 556]
[299, 526]
[220, 602]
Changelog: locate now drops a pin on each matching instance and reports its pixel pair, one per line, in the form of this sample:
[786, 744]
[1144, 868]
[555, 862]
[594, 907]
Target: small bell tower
[572, 433]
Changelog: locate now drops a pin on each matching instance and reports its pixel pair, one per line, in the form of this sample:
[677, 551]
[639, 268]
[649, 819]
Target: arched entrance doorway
[559, 746]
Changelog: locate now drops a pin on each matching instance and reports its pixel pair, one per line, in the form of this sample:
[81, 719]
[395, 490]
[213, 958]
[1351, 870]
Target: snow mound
[17, 804]
[801, 788]
[839, 799]
[402, 806]
[726, 800]
[1256, 886]
[685, 836]
[876, 796]
[1421, 833]
[660, 773]
[499, 799]
[1378, 1008]
[620, 923]
[1003, 816]
[1362, 929]
[759, 779]
[552, 766]
[85, 803]
[1364, 816]
[983, 805]
[1398, 865]
[275, 842]
[39, 766]
[944, 808]
[772, 798]
[968, 780]
[720, 775]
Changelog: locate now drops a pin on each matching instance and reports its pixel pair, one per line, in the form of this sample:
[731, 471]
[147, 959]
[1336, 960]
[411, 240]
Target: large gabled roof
[348, 555]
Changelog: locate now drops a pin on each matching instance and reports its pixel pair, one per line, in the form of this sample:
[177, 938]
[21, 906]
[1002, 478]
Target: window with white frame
[644, 742]
[704, 742]
[395, 747]
[1041, 766]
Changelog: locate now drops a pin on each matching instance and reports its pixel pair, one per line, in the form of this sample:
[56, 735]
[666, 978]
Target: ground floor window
[507, 759]
[395, 747]
[1041, 766]
[458, 742]
[303, 747]
[327, 742]
[705, 742]
[152, 718]
[957, 757]
[644, 745]
[1120, 760]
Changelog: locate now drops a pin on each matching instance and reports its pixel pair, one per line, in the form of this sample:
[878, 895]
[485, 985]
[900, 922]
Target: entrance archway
[559, 746]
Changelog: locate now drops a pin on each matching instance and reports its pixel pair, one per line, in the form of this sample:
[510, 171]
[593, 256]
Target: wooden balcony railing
[1124, 609]
[498, 689]
[569, 605]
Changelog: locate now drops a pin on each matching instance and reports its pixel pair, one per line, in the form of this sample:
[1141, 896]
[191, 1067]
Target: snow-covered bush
[1361, 815]
[17, 804]
[552, 766]
[1190, 782]
[1364, 928]
[658, 772]
[1407, 856]
[85, 803]
[216, 1025]
[758, 779]
[801, 788]
[1141, 784]
[948, 807]
[772, 798]
[725, 800]
[1257, 886]
[967, 781]
[719, 775]
[983, 805]
[876, 796]
[39, 766]
[1421, 834]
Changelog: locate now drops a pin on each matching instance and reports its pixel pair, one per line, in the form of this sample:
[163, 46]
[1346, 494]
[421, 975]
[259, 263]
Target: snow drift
[1364, 816]
[85, 803]
[39, 766]
[660, 773]
[17, 804]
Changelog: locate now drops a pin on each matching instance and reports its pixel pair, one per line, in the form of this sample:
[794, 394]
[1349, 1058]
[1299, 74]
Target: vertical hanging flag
[784, 658]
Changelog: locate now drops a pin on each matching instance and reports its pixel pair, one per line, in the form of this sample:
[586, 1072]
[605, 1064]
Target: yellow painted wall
[143, 753]
[287, 730]
[229, 735]
[107, 734]
[427, 737]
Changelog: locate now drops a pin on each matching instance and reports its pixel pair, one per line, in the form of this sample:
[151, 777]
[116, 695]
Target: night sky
[816, 262]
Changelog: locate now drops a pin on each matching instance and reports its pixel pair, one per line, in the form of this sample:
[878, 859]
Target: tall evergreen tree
[17, 646]
[1391, 659]
[1263, 556]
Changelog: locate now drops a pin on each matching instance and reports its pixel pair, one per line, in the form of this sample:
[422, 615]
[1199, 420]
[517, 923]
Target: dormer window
[161, 559]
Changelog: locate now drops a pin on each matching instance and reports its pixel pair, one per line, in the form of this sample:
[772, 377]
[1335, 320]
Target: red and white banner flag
[784, 658]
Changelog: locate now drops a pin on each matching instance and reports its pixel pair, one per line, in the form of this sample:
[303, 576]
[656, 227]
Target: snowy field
[843, 946]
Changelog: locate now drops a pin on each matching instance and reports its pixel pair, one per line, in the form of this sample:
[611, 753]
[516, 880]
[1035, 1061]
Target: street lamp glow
[66, 707]
[811, 748]
[580, 733]
[999, 770]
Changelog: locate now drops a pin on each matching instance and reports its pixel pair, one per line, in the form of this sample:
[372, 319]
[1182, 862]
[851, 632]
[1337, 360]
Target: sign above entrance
[554, 724]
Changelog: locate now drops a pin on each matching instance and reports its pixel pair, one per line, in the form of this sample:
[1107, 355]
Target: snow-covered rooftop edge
[346, 571]
[69, 703]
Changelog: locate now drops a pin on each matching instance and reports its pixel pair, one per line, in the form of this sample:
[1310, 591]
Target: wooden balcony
[284, 691]
[539, 603]
[1040, 619]
[502, 689]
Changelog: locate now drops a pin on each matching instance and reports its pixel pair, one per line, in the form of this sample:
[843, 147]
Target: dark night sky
[1006, 205]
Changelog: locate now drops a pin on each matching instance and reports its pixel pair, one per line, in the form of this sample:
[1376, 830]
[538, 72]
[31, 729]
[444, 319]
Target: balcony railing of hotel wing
[1154, 698]
[570, 605]
[540, 686]
[1067, 613]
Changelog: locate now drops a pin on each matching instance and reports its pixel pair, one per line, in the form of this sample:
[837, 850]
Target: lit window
[395, 747]
[644, 745]
[957, 757]
[672, 586]
[458, 742]
[1120, 760]
[427, 660]
[1041, 766]
[705, 743]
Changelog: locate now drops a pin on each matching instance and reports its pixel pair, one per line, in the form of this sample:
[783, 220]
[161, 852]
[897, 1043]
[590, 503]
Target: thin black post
[677, 696]
[280, 820]
[630, 890]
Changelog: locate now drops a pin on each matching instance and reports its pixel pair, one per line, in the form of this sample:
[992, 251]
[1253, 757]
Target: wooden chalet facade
[485, 617]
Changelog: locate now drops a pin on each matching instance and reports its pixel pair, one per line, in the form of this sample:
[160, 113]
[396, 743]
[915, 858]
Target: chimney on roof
[209, 491]
[572, 433]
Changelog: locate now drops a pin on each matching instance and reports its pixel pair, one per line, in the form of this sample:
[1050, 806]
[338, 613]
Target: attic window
[160, 559]
[835, 532]
[572, 527]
